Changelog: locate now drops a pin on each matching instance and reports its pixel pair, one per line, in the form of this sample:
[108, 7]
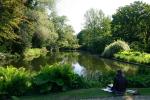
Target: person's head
[119, 72]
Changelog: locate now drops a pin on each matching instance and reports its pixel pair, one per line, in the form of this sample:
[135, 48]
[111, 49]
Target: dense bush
[5, 56]
[133, 56]
[97, 45]
[53, 78]
[3, 48]
[57, 78]
[14, 81]
[115, 47]
[29, 54]
[139, 81]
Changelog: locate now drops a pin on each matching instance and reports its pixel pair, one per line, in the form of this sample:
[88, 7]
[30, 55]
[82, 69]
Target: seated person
[120, 83]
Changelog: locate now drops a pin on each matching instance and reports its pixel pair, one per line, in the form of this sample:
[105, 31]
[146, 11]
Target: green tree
[11, 15]
[66, 39]
[44, 33]
[14, 26]
[97, 30]
[26, 23]
[132, 24]
[97, 23]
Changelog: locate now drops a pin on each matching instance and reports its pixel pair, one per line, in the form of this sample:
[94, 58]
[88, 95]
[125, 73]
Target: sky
[75, 9]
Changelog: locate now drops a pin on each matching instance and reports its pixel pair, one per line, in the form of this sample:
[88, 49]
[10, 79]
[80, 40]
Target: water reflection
[79, 69]
[82, 63]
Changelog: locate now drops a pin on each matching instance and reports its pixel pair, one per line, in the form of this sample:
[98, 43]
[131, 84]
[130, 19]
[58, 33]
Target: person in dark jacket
[120, 83]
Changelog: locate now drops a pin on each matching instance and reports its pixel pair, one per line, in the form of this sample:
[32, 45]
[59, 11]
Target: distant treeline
[130, 23]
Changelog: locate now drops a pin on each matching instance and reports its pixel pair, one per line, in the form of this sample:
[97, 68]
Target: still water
[82, 63]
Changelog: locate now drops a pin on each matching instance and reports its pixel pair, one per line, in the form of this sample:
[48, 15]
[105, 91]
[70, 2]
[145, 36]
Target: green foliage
[26, 23]
[11, 16]
[66, 38]
[44, 34]
[133, 56]
[57, 78]
[97, 45]
[115, 47]
[96, 33]
[15, 25]
[139, 81]
[96, 22]
[30, 54]
[131, 23]
[14, 81]
[54, 78]
[3, 48]
[6, 56]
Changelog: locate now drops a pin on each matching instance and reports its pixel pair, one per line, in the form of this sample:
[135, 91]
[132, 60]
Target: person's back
[120, 83]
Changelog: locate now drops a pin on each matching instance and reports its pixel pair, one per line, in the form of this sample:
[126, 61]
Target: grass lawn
[79, 94]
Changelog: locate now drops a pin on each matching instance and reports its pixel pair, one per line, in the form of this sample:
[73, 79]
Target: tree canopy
[26, 23]
[132, 24]
[96, 30]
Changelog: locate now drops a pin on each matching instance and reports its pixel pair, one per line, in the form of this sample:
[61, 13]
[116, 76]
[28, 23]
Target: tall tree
[66, 39]
[97, 22]
[11, 15]
[132, 23]
[96, 28]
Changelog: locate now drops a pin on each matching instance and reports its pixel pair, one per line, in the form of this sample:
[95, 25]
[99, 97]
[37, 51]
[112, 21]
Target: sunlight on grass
[134, 56]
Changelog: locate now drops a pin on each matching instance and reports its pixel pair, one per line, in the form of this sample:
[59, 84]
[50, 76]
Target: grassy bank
[79, 94]
[58, 78]
[133, 56]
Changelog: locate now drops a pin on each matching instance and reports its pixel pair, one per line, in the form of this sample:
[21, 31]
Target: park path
[121, 98]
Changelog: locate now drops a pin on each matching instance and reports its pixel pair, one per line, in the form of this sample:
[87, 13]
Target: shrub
[133, 56]
[14, 81]
[3, 48]
[139, 81]
[97, 45]
[115, 47]
[30, 54]
[57, 78]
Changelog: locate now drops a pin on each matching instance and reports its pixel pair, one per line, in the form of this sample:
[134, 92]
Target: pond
[82, 63]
